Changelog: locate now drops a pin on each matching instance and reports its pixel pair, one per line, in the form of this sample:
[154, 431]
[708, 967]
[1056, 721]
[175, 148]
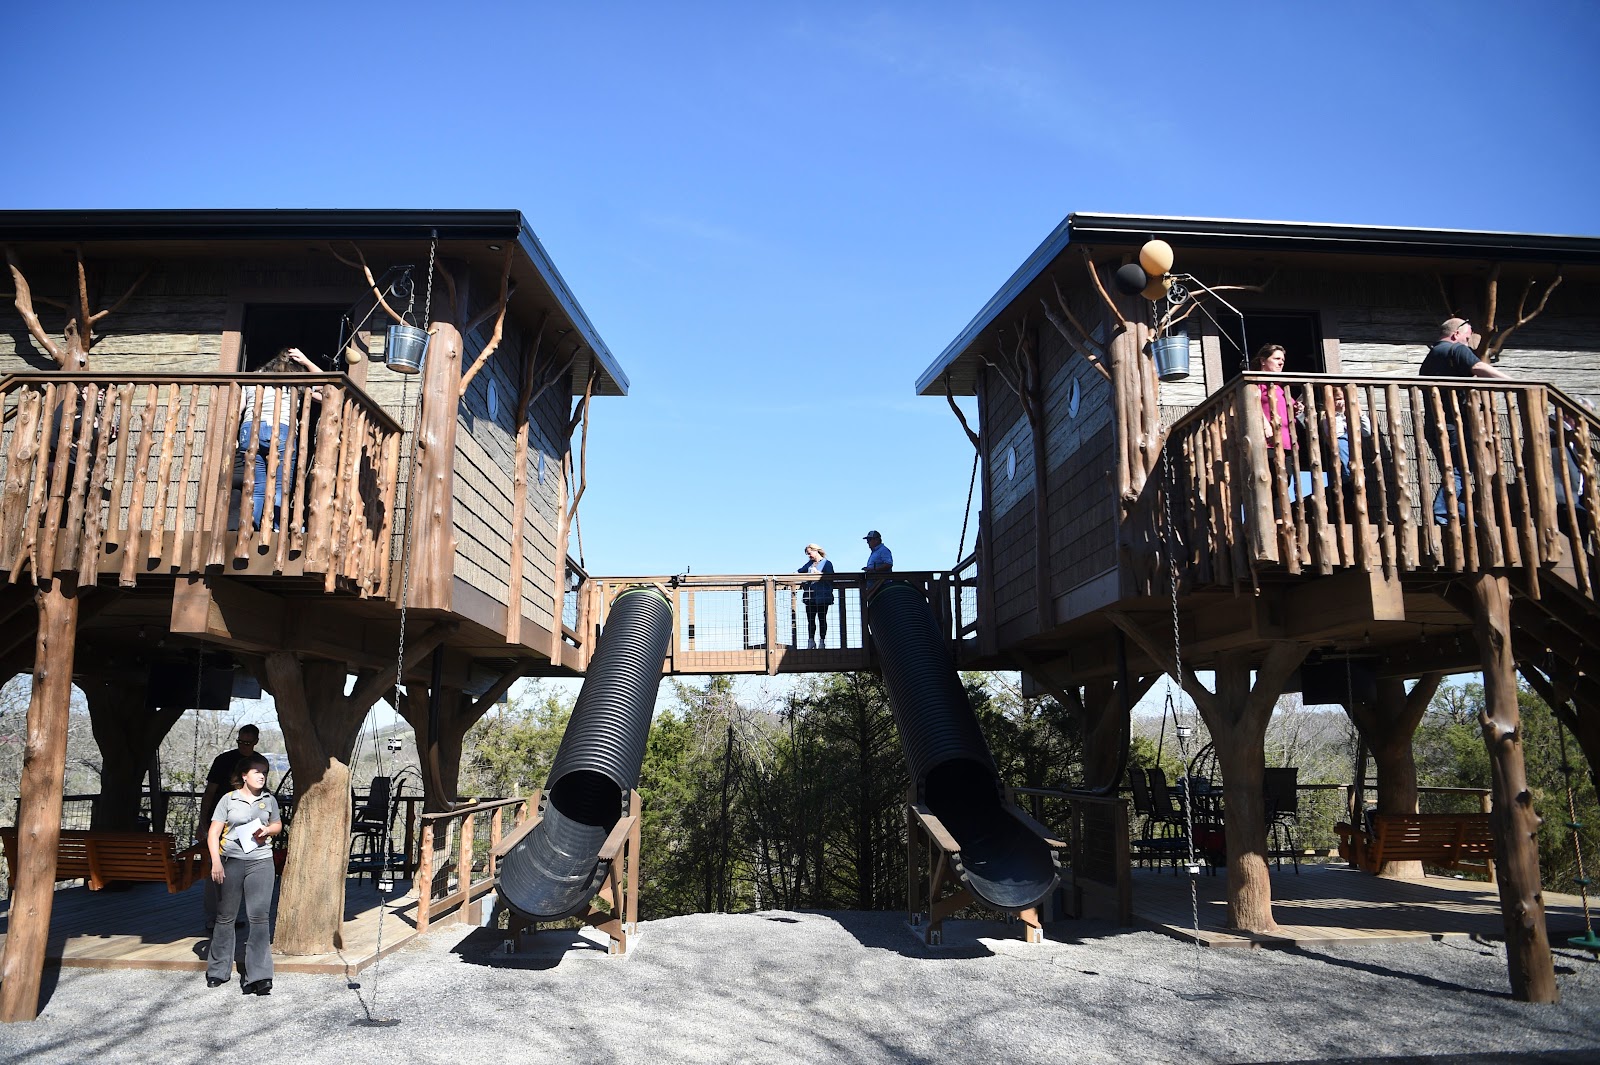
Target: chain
[406, 425]
[1185, 794]
[1574, 825]
[427, 304]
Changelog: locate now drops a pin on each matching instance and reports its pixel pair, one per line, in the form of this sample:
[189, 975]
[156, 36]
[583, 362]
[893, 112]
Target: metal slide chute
[1003, 861]
[553, 871]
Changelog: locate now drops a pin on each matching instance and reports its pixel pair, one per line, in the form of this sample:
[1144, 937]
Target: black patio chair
[1280, 788]
[370, 828]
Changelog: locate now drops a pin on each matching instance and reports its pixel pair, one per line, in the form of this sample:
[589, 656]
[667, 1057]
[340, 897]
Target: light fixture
[494, 247]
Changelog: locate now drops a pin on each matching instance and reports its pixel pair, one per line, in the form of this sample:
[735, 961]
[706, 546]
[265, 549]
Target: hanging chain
[1186, 793]
[427, 304]
[1574, 825]
[194, 755]
[407, 424]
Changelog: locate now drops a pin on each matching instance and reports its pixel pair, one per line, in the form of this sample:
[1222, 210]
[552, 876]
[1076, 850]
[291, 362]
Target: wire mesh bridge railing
[759, 623]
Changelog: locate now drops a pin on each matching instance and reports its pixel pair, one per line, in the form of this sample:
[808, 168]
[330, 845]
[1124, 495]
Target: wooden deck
[146, 927]
[1332, 903]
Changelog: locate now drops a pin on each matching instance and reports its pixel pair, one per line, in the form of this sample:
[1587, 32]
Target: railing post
[424, 878]
[770, 612]
[464, 867]
[1256, 474]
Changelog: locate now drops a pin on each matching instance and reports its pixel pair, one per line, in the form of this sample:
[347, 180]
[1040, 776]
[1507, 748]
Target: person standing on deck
[239, 841]
[1451, 356]
[219, 778]
[818, 595]
[880, 560]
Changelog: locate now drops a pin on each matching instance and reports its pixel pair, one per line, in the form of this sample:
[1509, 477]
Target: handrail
[143, 377]
[758, 622]
[1312, 472]
[133, 473]
[467, 889]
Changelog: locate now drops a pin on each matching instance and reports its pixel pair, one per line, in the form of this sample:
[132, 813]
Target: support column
[1515, 824]
[39, 810]
[1237, 717]
[430, 516]
[1388, 727]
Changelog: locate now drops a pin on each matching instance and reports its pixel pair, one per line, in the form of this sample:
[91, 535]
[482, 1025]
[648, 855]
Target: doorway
[271, 327]
[1300, 333]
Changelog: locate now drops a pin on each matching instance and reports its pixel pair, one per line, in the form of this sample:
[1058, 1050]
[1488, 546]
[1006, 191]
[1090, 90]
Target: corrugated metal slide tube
[1002, 861]
[554, 871]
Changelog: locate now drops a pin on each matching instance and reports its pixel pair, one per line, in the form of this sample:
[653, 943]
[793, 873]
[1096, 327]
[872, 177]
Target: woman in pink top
[1276, 405]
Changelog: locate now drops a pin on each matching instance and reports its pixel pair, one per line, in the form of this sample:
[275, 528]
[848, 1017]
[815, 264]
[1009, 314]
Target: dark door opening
[271, 327]
[1300, 333]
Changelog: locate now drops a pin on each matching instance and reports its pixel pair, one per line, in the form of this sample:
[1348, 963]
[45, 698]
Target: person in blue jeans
[818, 595]
[256, 433]
[1452, 357]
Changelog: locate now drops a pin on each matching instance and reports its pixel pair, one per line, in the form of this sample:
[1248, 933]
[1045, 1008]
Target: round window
[1011, 463]
[494, 400]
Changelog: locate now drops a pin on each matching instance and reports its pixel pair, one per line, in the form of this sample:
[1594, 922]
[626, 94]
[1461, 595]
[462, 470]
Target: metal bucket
[405, 347]
[1172, 356]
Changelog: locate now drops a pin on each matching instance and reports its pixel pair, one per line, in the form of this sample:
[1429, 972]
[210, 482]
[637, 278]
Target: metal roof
[1245, 234]
[210, 226]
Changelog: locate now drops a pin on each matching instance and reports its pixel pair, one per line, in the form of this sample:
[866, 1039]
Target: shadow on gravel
[545, 949]
[1390, 972]
[961, 938]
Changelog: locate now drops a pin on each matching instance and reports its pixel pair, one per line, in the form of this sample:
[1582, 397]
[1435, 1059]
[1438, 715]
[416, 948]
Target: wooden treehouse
[160, 494]
[1285, 526]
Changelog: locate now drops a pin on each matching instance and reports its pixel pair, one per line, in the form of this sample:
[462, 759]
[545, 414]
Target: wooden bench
[103, 858]
[72, 854]
[1449, 841]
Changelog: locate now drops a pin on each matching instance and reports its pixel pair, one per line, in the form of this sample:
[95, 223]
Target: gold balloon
[1156, 288]
[1156, 257]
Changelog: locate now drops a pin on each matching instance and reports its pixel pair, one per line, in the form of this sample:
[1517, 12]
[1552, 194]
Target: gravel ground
[783, 987]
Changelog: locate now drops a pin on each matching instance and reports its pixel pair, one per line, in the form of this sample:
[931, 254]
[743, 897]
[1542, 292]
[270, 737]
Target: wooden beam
[1343, 604]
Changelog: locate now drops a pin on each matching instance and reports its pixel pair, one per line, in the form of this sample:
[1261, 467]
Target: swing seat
[104, 858]
[1449, 841]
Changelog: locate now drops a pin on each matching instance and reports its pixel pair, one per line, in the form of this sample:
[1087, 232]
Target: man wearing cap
[880, 560]
[219, 781]
[1452, 357]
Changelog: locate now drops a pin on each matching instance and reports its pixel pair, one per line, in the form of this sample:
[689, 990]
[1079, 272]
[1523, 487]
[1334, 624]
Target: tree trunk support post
[39, 808]
[1512, 817]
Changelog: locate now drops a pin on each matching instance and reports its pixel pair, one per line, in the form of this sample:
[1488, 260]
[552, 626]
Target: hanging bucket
[405, 347]
[1172, 356]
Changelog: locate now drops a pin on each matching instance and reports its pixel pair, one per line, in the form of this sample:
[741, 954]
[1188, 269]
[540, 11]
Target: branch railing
[1385, 474]
[468, 889]
[134, 474]
[758, 623]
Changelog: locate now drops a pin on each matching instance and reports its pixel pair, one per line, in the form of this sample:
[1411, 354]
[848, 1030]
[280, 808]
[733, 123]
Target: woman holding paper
[240, 842]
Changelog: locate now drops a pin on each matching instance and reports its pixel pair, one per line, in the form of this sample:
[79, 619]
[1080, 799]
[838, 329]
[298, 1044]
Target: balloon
[1130, 278]
[1156, 257]
[1156, 288]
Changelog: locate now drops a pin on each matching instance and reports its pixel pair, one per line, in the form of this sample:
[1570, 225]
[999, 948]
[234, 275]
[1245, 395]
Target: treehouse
[363, 508]
[1151, 506]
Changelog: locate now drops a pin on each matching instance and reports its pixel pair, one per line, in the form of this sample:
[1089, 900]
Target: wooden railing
[757, 623]
[467, 890]
[1514, 486]
[133, 474]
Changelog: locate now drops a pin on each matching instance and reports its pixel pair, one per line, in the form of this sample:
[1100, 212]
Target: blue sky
[777, 219]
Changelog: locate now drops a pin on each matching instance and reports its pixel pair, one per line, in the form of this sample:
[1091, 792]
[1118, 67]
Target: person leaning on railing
[1278, 408]
[277, 403]
[1451, 356]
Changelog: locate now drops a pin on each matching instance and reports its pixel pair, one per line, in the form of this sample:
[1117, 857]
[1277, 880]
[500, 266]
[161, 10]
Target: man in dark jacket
[1452, 357]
